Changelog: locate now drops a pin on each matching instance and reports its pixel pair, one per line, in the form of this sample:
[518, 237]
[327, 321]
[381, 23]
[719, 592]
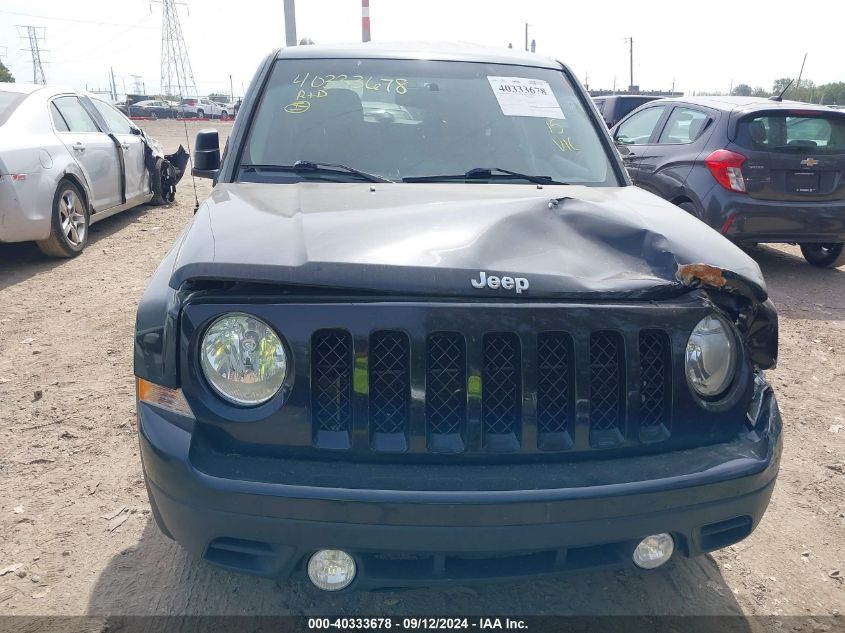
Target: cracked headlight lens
[243, 359]
[711, 357]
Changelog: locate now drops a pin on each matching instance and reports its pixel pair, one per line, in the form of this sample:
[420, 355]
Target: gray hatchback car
[756, 170]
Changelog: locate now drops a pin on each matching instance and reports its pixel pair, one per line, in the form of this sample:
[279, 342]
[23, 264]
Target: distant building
[650, 93]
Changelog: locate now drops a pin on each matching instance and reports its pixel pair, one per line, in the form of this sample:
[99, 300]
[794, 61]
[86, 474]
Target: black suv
[614, 108]
[756, 170]
[451, 345]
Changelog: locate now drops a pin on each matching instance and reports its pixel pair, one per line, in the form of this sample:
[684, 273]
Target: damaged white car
[69, 159]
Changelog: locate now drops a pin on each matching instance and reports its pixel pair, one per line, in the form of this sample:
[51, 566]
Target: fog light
[654, 550]
[331, 569]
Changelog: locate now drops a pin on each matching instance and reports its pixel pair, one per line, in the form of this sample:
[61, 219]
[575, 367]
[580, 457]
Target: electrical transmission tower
[34, 36]
[177, 78]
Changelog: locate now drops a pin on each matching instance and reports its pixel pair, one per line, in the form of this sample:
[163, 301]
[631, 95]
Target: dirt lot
[74, 513]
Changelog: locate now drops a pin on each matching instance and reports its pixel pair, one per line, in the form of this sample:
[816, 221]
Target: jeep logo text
[494, 283]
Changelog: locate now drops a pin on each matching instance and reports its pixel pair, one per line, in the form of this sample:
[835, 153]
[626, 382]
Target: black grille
[554, 382]
[445, 388]
[606, 381]
[654, 371]
[465, 393]
[331, 380]
[390, 381]
[501, 384]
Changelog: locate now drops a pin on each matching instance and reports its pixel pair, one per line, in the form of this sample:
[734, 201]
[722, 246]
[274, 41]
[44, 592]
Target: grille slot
[445, 394]
[655, 367]
[390, 384]
[331, 386]
[501, 396]
[555, 382]
[607, 382]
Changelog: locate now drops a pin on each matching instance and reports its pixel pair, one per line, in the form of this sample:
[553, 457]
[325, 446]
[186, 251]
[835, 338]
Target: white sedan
[69, 159]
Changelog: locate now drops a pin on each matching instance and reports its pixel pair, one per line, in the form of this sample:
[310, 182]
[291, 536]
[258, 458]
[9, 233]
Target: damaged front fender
[752, 312]
[166, 170]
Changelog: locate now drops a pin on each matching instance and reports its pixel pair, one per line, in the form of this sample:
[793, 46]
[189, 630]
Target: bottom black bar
[421, 622]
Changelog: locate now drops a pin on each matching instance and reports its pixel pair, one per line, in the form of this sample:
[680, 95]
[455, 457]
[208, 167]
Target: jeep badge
[494, 283]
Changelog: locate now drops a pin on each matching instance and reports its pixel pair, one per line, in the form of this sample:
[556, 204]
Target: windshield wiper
[485, 173]
[318, 168]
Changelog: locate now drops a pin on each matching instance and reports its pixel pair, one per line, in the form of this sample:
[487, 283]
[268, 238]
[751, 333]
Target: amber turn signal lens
[164, 398]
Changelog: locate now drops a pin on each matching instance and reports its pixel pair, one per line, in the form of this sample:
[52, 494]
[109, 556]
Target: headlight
[711, 357]
[243, 359]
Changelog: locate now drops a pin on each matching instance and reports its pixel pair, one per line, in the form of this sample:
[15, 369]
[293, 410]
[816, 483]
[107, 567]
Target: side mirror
[206, 154]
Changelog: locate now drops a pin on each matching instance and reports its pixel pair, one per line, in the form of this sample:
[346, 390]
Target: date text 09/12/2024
[418, 623]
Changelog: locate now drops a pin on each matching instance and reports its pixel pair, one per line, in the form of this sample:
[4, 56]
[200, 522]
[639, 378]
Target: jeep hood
[432, 239]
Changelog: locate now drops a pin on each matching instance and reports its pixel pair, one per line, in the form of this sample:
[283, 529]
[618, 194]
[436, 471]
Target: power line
[34, 35]
[50, 17]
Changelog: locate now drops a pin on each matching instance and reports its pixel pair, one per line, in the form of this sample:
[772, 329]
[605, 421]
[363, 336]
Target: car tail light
[726, 167]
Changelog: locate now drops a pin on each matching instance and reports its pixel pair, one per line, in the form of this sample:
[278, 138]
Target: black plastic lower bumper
[706, 498]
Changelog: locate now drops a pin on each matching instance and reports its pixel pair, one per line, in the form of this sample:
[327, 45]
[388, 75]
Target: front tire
[160, 197]
[824, 255]
[200, 114]
[69, 225]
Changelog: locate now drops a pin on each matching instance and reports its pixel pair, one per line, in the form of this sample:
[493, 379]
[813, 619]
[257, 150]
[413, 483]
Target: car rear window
[9, 101]
[790, 132]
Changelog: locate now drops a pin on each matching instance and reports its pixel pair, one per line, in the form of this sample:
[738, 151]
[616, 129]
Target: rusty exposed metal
[707, 275]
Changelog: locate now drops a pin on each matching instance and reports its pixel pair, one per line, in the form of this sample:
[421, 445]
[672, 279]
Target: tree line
[807, 91]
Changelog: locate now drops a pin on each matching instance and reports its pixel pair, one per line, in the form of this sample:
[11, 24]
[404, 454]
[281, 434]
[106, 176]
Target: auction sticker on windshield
[518, 96]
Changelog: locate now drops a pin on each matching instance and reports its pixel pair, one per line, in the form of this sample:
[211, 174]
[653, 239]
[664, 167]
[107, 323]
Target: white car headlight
[711, 357]
[243, 359]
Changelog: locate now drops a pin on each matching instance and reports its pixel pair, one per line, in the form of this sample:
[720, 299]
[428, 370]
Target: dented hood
[433, 239]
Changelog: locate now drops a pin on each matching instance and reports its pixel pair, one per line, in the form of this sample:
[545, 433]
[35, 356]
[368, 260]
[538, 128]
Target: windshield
[401, 119]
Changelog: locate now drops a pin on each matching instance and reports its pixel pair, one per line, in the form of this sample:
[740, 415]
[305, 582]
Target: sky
[704, 47]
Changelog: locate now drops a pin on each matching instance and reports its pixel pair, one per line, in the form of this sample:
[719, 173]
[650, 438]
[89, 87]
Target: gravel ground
[76, 524]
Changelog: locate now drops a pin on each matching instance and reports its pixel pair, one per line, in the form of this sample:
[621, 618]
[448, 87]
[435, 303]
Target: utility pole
[630, 41]
[290, 22]
[231, 89]
[34, 35]
[526, 36]
[177, 78]
[113, 86]
[586, 81]
[365, 20]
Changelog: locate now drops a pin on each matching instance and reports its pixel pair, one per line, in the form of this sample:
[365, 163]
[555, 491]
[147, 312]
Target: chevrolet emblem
[809, 162]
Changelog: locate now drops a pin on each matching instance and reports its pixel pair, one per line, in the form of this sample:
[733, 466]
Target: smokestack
[365, 20]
